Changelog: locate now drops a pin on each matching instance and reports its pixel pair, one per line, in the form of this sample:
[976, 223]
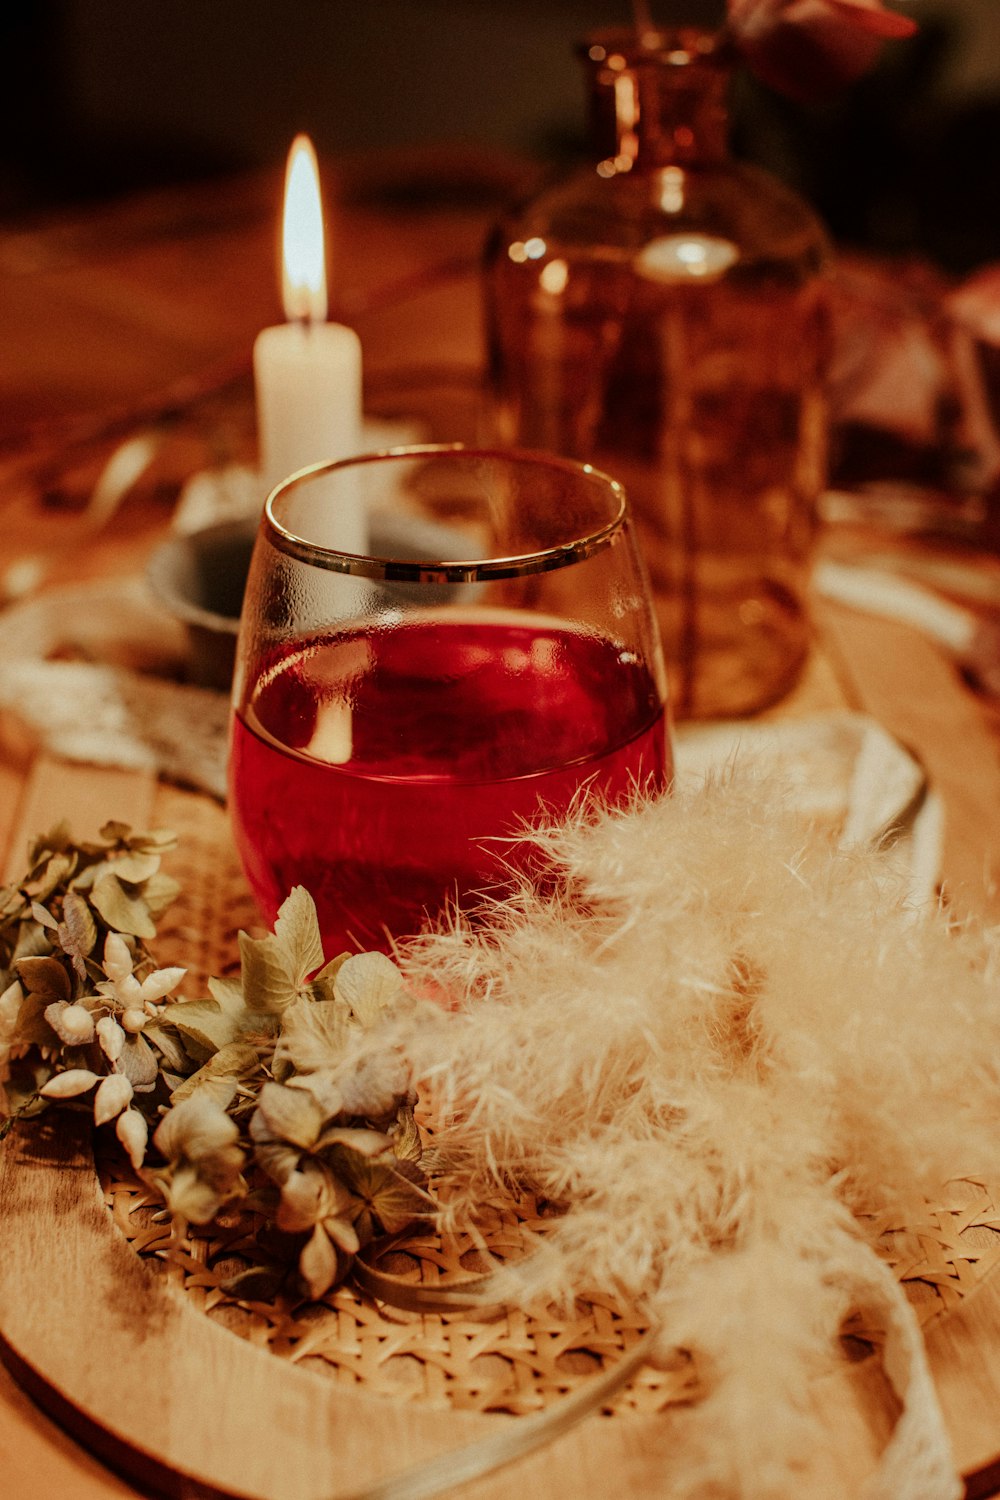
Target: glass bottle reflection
[661, 313]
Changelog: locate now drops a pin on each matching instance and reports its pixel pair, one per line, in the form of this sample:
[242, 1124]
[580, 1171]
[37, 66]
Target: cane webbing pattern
[521, 1361]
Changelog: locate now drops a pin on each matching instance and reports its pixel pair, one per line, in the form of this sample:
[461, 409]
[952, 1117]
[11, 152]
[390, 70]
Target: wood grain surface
[130, 1372]
[185, 1408]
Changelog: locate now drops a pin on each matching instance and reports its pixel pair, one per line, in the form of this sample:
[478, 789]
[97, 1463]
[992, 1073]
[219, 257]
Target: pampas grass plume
[715, 1041]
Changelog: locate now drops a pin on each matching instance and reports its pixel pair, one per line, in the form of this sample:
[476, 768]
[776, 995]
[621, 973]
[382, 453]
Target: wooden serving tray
[132, 1369]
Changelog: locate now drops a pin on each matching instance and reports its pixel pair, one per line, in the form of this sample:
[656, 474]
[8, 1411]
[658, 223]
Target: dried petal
[10, 1004]
[290, 1114]
[160, 983]
[303, 1200]
[344, 1234]
[132, 1130]
[318, 1263]
[117, 957]
[67, 1085]
[72, 1024]
[195, 1128]
[127, 990]
[135, 868]
[368, 983]
[189, 1197]
[113, 1095]
[133, 1019]
[111, 1037]
[160, 892]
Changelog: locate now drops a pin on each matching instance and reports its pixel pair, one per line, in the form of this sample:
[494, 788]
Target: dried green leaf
[51, 873]
[169, 1047]
[32, 940]
[138, 1063]
[392, 1197]
[233, 1063]
[80, 927]
[275, 968]
[268, 986]
[207, 1025]
[296, 934]
[32, 1027]
[228, 993]
[122, 911]
[44, 976]
[405, 1135]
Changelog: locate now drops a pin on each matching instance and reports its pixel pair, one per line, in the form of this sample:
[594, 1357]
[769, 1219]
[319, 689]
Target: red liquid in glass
[385, 771]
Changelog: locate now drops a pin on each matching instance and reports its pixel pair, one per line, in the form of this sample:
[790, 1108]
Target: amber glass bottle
[661, 313]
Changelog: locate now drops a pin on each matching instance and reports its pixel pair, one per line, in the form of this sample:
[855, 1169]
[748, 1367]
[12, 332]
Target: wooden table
[119, 318]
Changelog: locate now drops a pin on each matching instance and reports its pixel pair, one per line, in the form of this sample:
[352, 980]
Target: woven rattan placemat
[521, 1361]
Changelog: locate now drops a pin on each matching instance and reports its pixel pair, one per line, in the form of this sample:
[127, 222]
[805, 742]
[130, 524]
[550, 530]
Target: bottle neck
[658, 99]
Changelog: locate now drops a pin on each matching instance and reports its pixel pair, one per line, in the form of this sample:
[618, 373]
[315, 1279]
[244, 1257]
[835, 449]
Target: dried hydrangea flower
[200, 1143]
[135, 1001]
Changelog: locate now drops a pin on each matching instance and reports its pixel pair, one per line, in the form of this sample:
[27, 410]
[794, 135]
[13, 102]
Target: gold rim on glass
[436, 570]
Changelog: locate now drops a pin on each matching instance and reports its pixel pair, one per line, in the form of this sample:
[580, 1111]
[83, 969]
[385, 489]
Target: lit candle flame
[303, 251]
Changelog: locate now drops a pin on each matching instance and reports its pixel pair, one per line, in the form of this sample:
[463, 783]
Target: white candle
[307, 371]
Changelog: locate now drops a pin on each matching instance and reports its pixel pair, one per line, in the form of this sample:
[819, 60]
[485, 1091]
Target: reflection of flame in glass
[302, 247]
[672, 190]
[686, 257]
[553, 277]
[522, 250]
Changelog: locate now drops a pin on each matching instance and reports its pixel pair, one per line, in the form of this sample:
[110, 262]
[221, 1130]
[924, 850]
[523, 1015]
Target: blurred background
[102, 97]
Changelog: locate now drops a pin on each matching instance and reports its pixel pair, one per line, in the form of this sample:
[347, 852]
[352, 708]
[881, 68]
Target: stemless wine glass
[399, 716]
